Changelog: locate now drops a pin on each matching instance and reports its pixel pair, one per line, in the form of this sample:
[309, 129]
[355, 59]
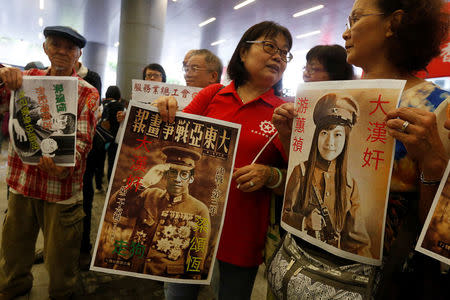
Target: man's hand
[167, 106]
[11, 77]
[47, 164]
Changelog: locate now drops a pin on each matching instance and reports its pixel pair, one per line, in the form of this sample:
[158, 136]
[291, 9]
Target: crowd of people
[388, 39]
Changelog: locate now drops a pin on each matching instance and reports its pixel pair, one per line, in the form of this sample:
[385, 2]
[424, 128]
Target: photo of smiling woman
[322, 198]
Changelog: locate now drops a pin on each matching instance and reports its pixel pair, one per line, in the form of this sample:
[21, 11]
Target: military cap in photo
[65, 32]
[181, 156]
[336, 109]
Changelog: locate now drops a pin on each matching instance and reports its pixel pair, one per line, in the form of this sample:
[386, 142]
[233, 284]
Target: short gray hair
[212, 60]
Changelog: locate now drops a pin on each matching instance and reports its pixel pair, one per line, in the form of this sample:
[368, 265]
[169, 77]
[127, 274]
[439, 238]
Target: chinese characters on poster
[43, 119]
[434, 239]
[167, 197]
[148, 91]
[339, 166]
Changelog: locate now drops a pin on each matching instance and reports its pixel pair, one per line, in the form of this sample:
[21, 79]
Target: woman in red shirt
[256, 69]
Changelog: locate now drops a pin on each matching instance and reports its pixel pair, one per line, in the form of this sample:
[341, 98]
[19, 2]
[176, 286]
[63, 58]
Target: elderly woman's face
[365, 40]
[331, 142]
[264, 69]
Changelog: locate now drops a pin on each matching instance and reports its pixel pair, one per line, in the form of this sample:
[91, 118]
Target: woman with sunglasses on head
[327, 62]
[393, 39]
[256, 69]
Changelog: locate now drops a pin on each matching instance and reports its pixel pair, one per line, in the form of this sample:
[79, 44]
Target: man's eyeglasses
[184, 175]
[153, 75]
[194, 69]
[353, 19]
[273, 49]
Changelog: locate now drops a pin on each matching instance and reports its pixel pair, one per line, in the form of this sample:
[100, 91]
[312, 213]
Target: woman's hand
[252, 177]
[282, 120]
[314, 220]
[167, 106]
[420, 137]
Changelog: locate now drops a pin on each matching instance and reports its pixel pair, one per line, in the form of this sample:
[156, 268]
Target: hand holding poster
[148, 91]
[434, 240]
[167, 197]
[44, 119]
[339, 166]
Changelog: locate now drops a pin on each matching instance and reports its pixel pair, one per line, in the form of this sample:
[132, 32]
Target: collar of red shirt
[268, 97]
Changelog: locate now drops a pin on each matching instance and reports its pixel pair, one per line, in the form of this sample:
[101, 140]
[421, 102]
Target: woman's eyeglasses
[273, 49]
[353, 19]
[153, 75]
[312, 70]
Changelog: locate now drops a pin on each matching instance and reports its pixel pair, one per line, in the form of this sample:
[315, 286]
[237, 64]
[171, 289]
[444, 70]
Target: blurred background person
[202, 69]
[327, 62]
[154, 72]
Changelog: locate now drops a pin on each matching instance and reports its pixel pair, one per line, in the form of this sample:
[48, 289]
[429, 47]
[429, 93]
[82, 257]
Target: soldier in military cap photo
[173, 226]
[322, 197]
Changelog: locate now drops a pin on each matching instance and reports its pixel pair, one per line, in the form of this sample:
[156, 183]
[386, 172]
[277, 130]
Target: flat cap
[65, 32]
[332, 108]
[181, 156]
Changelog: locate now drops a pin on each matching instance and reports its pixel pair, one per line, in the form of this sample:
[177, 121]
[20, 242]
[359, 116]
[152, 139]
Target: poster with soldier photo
[167, 197]
[148, 91]
[340, 165]
[43, 119]
[434, 240]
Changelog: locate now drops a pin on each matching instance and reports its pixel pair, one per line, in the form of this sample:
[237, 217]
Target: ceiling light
[41, 21]
[300, 36]
[41, 4]
[116, 44]
[242, 4]
[217, 42]
[206, 22]
[307, 11]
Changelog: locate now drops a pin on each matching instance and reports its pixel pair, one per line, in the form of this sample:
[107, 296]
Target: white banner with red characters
[167, 197]
[340, 166]
[148, 91]
[434, 239]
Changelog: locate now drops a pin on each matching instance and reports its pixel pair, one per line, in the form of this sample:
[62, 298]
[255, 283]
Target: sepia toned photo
[167, 198]
[434, 239]
[339, 167]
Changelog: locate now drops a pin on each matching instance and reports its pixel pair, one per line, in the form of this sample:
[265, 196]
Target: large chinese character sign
[339, 166]
[44, 119]
[434, 239]
[167, 198]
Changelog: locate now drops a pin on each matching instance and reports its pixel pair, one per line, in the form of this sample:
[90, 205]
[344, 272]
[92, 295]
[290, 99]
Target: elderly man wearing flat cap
[47, 196]
[173, 226]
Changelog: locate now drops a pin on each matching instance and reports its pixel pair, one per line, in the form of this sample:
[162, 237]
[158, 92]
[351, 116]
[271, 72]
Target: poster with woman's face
[434, 239]
[340, 166]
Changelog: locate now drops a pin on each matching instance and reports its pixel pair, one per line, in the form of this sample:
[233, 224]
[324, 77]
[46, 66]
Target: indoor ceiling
[99, 21]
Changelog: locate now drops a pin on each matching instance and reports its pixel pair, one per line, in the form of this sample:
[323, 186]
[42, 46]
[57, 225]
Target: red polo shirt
[247, 214]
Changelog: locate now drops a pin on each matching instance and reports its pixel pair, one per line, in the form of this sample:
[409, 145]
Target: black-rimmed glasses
[273, 49]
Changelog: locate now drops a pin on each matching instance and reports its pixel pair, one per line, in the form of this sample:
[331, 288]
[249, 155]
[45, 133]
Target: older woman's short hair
[213, 62]
[334, 59]
[419, 34]
[155, 67]
[236, 70]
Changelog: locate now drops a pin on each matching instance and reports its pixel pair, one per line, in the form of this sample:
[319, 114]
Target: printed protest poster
[434, 240]
[340, 166]
[44, 119]
[167, 197]
[148, 91]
